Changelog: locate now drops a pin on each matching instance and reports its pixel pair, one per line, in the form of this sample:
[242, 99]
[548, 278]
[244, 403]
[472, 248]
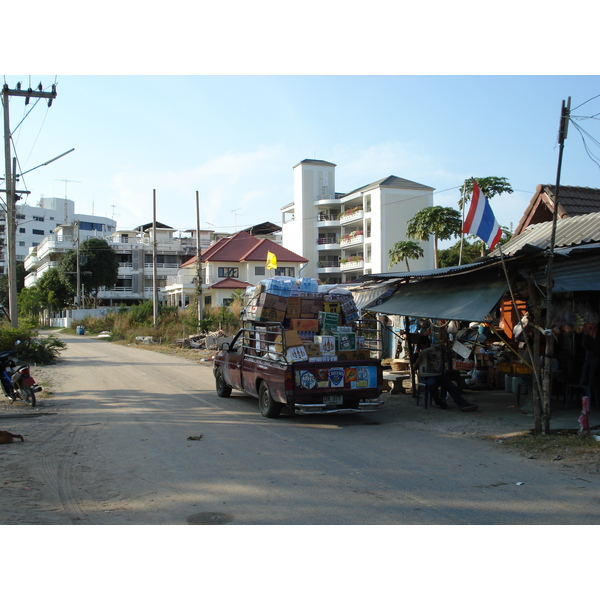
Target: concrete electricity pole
[11, 196]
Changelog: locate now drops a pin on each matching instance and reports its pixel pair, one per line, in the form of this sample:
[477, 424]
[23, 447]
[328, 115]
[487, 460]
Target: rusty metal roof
[572, 231]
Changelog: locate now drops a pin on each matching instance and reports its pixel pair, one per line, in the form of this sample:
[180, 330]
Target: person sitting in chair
[430, 363]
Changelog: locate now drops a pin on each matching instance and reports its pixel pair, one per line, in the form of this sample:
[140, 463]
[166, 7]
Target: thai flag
[480, 220]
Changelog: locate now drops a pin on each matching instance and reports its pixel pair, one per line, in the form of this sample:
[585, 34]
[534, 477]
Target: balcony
[325, 220]
[353, 214]
[352, 239]
[353, 263]
[329, 243]
[328, 266]
[327, 201]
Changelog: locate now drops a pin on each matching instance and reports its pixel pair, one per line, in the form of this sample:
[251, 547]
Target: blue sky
[234, 138]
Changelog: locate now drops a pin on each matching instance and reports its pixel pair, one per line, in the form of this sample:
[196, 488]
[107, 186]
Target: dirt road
[131, 436]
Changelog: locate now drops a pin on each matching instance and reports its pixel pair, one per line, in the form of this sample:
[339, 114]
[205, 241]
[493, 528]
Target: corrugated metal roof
[444, 271]
[573, 231]
[574, 270]
[468, 297]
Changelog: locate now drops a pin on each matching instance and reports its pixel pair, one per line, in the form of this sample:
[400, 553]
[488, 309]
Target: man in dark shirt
[435, 376]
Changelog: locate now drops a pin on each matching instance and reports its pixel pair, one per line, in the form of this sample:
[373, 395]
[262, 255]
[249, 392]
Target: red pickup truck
[259, 363]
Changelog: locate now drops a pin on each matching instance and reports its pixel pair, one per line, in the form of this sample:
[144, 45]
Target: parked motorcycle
[16, 379]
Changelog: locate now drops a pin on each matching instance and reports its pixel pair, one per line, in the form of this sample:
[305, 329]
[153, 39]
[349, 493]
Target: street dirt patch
[564, 446]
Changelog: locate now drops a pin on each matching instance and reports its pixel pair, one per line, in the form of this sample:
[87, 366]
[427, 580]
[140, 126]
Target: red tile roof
[572, 201]
[242, 247]
[229, 283]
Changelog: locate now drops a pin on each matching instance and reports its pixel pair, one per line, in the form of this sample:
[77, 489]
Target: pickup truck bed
[255, 363]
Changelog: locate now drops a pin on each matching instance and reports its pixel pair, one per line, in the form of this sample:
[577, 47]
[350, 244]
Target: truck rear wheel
[268, 407]
[223, 390]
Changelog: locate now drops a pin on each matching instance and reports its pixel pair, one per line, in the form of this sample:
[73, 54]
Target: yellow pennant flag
[271, 261]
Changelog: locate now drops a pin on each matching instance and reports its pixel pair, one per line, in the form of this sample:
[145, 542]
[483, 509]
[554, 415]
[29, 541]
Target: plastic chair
[426, 399]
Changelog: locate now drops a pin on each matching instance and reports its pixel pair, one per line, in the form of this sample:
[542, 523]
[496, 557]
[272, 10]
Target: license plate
[333, 399]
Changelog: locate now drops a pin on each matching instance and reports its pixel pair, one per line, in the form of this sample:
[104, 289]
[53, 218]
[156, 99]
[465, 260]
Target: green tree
[404, 250]
[490, 186]
[439, 221]
[54, 292]
[449, 257]
[98, 265]
[30, 302]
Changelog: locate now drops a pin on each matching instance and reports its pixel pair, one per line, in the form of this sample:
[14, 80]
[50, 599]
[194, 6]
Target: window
[86, 226]
[259, 270]
[38, 219]
[227, 301]
[368, 203]
[228, 272]
[37, 232]
[207, 300]
[285, 272]
[21, 243]
[21, 229]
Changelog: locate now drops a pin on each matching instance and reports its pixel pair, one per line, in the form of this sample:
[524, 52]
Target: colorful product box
[296, 354]
[326, 344]
[328, 322]
[332, 307]
[345, 341]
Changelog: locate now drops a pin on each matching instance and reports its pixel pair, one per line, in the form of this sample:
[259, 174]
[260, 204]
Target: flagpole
[534, 364]
[462, 235]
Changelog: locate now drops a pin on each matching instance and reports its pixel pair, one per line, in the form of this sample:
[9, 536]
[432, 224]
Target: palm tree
[439, 221]
[404, 250]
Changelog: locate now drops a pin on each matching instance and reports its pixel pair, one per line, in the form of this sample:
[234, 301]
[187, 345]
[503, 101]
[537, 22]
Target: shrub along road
[130, 436]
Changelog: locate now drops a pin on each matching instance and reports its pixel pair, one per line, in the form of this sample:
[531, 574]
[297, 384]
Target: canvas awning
[467, 297]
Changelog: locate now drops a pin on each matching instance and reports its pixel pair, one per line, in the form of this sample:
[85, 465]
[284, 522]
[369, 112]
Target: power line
[593, 98]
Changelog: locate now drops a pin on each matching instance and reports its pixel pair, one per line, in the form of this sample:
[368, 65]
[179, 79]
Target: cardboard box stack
[320, 320]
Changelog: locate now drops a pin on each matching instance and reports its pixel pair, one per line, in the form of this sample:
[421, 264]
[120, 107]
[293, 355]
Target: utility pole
[154, 273]
[78, 300]
[549, 349]
[198, 260]
[11, 197]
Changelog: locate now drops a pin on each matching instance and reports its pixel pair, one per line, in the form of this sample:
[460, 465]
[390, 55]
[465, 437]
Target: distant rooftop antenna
[235, 211]
[67, 181]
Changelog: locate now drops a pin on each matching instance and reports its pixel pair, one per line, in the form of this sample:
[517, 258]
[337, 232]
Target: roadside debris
[210, 340]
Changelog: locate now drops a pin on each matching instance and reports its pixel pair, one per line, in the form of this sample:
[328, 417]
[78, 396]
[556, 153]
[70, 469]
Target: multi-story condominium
[135, 251]
[34, 223]
[346, 235]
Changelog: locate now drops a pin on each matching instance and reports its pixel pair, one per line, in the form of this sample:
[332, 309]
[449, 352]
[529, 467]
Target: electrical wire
[583, 133]
[593, 98]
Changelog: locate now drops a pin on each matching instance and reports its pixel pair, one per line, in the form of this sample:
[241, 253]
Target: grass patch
[561, 445]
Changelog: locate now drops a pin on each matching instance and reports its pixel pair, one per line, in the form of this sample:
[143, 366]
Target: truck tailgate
[337, 386]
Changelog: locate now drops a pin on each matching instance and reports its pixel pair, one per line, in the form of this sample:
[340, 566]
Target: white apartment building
[135, 252]
[34, 223]
[346, 235]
